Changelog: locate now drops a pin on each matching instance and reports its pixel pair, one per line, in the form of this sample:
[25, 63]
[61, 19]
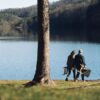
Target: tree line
[69, 20]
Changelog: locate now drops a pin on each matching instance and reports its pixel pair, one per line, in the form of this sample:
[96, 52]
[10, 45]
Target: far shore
[11, 38]
[34, 38]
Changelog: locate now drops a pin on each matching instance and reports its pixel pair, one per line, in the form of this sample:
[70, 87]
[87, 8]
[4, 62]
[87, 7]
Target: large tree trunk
[42, 74]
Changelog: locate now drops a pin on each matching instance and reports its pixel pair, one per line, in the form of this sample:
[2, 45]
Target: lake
[18, 59]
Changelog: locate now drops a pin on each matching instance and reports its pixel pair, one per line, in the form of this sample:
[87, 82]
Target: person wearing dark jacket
[80, 64]
[70, 64]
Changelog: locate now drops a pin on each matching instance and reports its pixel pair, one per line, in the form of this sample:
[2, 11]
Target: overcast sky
[4, 4]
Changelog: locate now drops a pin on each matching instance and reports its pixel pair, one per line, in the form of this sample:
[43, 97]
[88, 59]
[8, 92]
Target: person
[70, 64]
[80, 64]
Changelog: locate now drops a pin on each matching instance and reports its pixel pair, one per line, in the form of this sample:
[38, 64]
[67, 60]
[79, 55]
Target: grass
[14, 90]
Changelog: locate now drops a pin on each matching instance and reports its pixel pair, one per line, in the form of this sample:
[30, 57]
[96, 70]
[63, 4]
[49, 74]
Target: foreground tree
[42, 74]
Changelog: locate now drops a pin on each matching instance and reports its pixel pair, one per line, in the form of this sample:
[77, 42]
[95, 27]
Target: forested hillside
[93, 22]
[69, 20]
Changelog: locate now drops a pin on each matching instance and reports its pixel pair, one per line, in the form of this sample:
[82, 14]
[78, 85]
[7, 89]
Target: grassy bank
[14, 90]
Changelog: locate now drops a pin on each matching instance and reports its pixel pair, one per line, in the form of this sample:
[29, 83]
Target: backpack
[79, 59]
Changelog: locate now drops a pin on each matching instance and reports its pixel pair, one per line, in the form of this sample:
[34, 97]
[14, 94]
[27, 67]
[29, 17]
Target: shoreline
[13, 38]
[97, 80]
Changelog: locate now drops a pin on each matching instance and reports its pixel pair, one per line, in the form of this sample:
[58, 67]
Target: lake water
[18, 59]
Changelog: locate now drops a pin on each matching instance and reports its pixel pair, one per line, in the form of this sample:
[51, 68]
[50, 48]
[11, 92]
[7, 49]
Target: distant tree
[94, 1]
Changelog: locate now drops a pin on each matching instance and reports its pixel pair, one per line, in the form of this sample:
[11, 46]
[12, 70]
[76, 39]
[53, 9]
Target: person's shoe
[66, 79]
[75, 80]
[83, 80]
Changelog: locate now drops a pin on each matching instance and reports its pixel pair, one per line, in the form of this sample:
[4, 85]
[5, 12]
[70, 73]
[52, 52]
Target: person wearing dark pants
[77, 76]
[71, 65]
[69, 72]
[80, 64]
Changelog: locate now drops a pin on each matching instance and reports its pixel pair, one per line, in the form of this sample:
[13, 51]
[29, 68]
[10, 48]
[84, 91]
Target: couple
[75, 62]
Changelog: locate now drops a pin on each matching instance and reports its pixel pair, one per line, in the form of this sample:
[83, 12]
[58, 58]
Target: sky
[5, 4]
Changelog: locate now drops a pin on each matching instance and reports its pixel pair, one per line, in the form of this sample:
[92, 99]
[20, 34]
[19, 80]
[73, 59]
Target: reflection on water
[18, 58]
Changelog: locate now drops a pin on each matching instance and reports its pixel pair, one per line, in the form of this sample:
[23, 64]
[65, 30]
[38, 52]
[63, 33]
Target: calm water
[18, 59]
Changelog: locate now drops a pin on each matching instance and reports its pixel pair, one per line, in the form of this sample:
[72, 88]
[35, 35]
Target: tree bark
[42, 74]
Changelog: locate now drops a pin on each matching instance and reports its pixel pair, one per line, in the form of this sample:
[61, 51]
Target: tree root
[41, 83]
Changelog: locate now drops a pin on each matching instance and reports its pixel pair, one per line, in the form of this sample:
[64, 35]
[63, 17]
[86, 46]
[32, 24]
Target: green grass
[14, 90]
